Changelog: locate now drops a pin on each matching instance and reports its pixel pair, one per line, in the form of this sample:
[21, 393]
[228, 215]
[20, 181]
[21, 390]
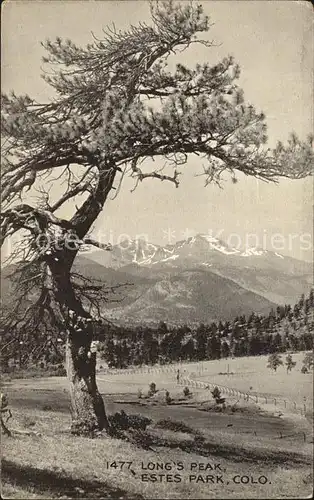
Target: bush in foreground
[121, 421]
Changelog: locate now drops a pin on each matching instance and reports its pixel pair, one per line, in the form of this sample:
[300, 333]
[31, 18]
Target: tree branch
[95, 243]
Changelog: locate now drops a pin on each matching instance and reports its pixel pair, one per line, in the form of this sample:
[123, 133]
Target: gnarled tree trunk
[88, 410]
[87, 406]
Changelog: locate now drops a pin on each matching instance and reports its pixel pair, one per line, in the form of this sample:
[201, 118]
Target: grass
[174, 425]
[43, 481]
[247, 374]
[54, 464]
[250, 374]
[33, 372]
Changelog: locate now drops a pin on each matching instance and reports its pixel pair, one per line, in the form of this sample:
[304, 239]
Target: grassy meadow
[250, 374]
[43, 460]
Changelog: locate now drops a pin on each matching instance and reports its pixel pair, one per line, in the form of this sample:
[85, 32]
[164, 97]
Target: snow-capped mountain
[129, 251]
[197, 279]
[144, 253]
[277, 278]
[201, 249]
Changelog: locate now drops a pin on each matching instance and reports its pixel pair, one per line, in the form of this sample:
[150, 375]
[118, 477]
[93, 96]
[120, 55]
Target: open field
[250, 374]
[249, 442]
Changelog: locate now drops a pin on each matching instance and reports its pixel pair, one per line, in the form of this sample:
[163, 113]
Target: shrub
[138, 422]
[118, 421]
[168, 398]
[152, 389]
[304, 369]
[122, 421]
[217, 396]
[186, 392]
[139, 394]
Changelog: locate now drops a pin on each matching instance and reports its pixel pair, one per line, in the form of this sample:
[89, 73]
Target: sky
[273, 43]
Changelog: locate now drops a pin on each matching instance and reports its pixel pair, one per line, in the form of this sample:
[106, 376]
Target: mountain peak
[217, 244]
[253, 251]
[202, 249]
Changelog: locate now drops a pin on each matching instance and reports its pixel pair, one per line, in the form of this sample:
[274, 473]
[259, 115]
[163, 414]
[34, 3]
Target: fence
[146, 369]
[280, 403]
[297, 435]
[255, 398]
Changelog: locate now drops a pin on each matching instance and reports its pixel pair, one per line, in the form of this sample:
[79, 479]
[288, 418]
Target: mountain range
[197, 279]
[200, 279]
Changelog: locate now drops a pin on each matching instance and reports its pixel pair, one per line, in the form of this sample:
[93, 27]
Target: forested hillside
[286, 328]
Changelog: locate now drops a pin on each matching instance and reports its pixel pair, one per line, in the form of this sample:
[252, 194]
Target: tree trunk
[87, 406]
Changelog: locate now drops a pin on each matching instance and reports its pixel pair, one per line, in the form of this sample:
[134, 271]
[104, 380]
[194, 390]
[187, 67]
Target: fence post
[285, 403]
[275, 401]
[304, 406]
[256, 399]
[265, 400]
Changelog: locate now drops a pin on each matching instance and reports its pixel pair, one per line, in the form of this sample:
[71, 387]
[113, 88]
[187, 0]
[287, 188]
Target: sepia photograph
[157, 293]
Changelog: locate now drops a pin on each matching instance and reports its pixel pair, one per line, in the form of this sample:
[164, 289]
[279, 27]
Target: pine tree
[115, 105]
[274, 361]
[201, 342]
[290, 363]
[308, 360]
[225, 350]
